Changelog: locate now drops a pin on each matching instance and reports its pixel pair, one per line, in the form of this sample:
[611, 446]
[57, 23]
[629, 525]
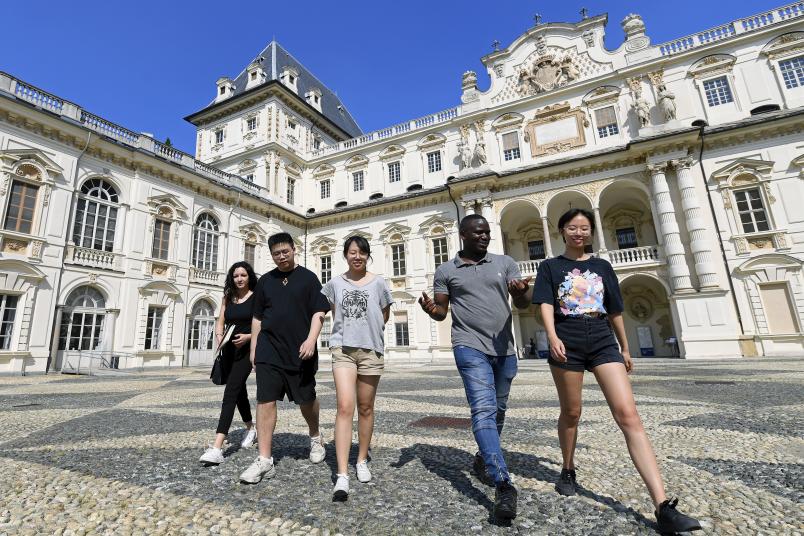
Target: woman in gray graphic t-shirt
[360, 302]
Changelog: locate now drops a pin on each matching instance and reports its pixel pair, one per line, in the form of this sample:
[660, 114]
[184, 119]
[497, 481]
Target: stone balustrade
[94, 257]
[38, 97]
[639, 256]
[726, 31]
[528, 268]
[207, 277]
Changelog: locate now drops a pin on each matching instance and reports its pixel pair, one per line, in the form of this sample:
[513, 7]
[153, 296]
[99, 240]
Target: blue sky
[147, 64]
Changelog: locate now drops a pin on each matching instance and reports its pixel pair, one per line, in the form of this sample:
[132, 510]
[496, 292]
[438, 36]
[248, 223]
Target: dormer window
[219, 136]
[226, 88]
[254, 76]
[222, 91]
[291, 125]
[313, 98]
[289, 77]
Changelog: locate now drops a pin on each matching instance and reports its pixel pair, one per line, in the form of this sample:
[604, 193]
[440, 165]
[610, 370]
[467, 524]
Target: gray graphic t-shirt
[357, 319]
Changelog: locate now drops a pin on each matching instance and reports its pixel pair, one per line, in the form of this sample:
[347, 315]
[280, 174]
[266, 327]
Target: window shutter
[510, 141]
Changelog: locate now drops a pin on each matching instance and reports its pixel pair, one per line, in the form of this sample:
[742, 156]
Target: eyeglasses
[582, 230]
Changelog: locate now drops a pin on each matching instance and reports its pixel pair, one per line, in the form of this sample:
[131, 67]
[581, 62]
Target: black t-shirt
[285, 303]
[575, 288]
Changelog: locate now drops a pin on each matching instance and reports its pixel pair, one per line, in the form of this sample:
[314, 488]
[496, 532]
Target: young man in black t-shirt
[289, 312]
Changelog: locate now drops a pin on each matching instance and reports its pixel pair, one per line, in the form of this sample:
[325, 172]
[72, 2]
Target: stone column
[487, 210]
[696, 225]
[601, 241]
[468, 207]
[548, 244]
[673, 248]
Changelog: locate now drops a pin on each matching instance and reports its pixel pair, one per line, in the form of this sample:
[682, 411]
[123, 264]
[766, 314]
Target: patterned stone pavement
[118, 455]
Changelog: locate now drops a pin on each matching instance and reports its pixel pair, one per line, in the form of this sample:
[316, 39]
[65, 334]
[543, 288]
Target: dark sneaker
[566, 483]
[479, 469]
[671, 520]
[505, 501]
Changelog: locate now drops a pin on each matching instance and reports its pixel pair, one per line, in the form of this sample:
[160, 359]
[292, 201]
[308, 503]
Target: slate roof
[274, 58]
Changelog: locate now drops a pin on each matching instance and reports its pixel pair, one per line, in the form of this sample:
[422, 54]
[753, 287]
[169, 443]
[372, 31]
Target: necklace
[285, 281]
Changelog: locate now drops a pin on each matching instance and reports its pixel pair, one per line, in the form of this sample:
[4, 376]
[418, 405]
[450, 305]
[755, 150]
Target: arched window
[205, 243]
[202, 325]
[82, 320]
[96, 216]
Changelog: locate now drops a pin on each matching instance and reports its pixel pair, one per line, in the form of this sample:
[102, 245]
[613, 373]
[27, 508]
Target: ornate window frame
[389, 155]
[248, 133]
[252, 234]
[785, 47]
[166, 207]
[710, 68]
[506, 124]
[396, 234]
[552, 114]
[429, 144]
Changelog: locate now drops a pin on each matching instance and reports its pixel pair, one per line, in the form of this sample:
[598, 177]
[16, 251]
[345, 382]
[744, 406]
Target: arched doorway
[648, 319]
[82, 322]
[200, 340]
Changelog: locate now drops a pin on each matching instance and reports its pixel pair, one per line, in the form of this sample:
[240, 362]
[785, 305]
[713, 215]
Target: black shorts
[588, 342]
[273, 383]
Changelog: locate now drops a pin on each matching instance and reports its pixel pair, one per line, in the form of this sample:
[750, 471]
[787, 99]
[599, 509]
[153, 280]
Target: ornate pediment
[253, 231]
[324, 170]
[507, 121]
[784, 45]
[247, 164]
[392, 151]
[293, 168]
[602, 95]
[432, 140]
[167, 206]
[357, 161]
[324, 244]
[38, 163]
[712, 65]
[359, 232]
[433, 223]
[743, 171]
[394, 229]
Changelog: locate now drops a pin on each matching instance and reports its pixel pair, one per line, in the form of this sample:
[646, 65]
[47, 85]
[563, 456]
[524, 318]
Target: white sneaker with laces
[363, 473]
[317, 450]
[261, 467]
[251, 436]
[212, 456]
[341, 491]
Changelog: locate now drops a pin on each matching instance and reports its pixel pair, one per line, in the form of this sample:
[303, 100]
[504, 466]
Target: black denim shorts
[588, 342]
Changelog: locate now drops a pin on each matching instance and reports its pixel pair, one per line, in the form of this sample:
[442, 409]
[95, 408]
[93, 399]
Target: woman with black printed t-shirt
[581, 307]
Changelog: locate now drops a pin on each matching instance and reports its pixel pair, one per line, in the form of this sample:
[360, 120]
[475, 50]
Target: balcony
[528, 268]
[94, 258]
[635, 257]
[206, 277]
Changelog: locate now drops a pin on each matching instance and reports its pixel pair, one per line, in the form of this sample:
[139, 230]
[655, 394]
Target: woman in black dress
[236, 308]
[581, 306]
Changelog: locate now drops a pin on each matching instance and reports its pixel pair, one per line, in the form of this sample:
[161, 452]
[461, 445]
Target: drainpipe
[701, 134]
[70, 214]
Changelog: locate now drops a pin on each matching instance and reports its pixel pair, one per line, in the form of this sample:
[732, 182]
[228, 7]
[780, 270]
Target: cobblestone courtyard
[118, 455]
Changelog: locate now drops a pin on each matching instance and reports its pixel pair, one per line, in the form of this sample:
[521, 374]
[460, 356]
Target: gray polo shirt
[478, 297]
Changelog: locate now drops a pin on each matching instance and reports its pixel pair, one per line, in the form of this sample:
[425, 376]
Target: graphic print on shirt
[581, 293]
[355, 303]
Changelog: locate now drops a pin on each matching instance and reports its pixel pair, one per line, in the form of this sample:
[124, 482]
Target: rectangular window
[326, 188]
[626, 238]
[159, 250]
[316, 144]
[326, 269]
[250, 177]
[291, 193]
[440, 252]
[326, 330]
[606, 121]
[394, 172]
[402, 335]
[219, 136]
[792, 72]
[398, 259]
[21, 207]
[510, 146]
[434, 161]
[535, 249]
[717, 91]
[291, 125]
[250, 254]
[251, 124]
[153, 327]
[8, 310]
[357, 181]
[751, 210]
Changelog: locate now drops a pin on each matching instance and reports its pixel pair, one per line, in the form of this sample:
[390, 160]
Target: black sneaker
[505, 501]
[566, 483]
[479, 469]
[671, 520]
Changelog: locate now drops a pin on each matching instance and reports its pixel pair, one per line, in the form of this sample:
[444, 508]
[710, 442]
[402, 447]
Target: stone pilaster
[673, 248]
[700, 243]
[548, 244]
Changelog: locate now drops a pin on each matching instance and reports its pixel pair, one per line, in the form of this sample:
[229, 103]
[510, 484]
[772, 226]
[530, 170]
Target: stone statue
[466, 154]
[642, 109]
[667, 103]
[480, 152]
[569, 70]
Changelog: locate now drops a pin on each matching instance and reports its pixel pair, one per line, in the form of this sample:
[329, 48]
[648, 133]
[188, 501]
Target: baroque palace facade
[690, 154]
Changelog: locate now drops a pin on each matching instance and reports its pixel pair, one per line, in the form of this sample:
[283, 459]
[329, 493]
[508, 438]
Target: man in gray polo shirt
[477, 284]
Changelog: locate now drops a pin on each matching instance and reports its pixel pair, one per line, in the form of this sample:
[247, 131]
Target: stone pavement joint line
[118, 455]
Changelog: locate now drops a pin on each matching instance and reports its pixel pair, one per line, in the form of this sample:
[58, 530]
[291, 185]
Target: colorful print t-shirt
[577, 288]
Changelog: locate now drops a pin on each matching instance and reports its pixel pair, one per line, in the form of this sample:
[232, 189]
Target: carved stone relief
[556, 129]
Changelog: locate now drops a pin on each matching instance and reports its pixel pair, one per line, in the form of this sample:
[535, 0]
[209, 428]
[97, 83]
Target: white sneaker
[212, 456]
[317, 450]
[261, 467]
[363, 473]
[251, 436]
[341, 491]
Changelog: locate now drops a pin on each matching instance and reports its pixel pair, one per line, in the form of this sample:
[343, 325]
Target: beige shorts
[366, 362]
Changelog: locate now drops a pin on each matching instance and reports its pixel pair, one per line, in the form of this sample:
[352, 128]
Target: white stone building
[690, 154]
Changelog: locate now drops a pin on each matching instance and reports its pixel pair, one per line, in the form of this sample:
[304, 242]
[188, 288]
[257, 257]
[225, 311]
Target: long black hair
[229, 288]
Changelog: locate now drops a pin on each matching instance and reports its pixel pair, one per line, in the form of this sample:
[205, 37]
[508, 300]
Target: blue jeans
[487, 382]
